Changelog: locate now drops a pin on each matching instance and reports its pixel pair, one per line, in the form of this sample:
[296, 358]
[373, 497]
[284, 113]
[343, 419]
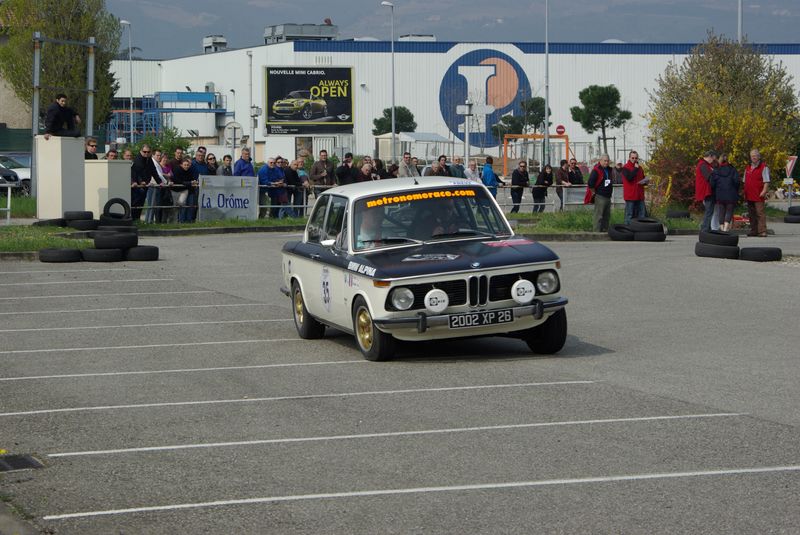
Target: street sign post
[560, 130]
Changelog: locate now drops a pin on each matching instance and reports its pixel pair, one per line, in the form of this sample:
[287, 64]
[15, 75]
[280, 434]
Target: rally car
[421, 259]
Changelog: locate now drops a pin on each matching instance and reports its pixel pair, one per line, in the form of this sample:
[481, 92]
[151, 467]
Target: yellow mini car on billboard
[300, 104]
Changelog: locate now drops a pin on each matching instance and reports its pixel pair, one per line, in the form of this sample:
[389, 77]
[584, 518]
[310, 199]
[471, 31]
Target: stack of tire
[639, 229]
[116, 238]
[78, 220]
[793, 216]
[719, 244]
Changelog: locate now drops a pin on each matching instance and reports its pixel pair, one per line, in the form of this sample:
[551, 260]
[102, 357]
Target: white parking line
[450, 488]
[118, 309]
[292, 398]
[103, 295]
[145, 346]
[81, 282]
[141, 325]
[187, 370]
[394, 434]
[65, 271]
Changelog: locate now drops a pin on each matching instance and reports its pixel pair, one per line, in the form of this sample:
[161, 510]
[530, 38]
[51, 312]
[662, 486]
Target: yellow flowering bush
[724, 96]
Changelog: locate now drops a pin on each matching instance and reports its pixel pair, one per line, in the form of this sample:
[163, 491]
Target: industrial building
[305, 90]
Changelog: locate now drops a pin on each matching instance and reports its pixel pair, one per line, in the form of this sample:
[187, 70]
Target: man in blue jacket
[244, 165]
[271, 179]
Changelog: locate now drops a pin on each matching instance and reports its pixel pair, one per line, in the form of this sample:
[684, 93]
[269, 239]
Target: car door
[333, 266]
[307, 264]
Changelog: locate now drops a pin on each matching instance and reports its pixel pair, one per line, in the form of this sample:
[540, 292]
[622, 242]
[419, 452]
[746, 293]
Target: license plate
[479, 319]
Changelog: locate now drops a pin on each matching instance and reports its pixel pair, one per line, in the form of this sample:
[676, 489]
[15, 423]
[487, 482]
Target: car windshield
[10, 163]
[299, 94]
[426, 215]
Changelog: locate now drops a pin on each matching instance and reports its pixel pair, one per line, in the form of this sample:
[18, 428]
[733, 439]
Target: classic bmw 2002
[421, 259]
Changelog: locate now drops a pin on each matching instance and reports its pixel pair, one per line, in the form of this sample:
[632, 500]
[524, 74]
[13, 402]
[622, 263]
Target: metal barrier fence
[7, 209]
[572, 200]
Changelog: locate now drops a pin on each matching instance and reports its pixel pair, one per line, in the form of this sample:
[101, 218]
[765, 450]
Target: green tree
[600, 110]
[166, 141]
[530, 121]
[723, 96]
[403, 121]
[63, 66]
[533, 118]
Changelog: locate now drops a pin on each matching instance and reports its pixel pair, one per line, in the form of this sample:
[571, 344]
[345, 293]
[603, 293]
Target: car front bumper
[423, 323]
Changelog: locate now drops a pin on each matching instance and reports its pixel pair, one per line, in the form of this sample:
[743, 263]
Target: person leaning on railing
[562, 179]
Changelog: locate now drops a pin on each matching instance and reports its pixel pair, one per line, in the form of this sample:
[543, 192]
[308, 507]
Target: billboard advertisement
[308, 100]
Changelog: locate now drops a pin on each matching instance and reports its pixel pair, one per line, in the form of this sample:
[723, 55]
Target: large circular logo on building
[487, 78]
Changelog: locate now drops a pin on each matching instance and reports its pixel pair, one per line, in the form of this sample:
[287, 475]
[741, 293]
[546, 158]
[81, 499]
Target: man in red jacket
[702, 189]
[756, 186]
[633, 182]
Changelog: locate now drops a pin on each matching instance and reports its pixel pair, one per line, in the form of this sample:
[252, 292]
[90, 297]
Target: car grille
[500, 285]
[456, 291]
[476, 290]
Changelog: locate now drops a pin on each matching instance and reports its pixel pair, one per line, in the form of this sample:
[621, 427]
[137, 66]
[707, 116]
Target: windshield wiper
[392, 239]
[465, 232]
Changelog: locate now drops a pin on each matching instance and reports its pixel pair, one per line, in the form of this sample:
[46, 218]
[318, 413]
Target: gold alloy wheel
[364, 328]
[298, 306]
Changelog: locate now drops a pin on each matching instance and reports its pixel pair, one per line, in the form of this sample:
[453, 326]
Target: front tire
[549, 337]
[307, 113]
[307, 326]
[374, 344]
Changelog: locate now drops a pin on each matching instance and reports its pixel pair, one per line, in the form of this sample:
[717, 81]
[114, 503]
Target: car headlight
[547, 282]
[523, 291]
[402, 298]
[436, 301]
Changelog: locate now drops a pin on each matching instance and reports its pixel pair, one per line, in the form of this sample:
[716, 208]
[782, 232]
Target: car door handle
[315, 256]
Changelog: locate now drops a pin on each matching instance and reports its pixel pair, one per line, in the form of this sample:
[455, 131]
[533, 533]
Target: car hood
[24, 173]
[292, 101]
[439, 257]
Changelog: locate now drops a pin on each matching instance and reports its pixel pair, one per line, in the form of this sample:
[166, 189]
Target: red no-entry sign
[560, 129]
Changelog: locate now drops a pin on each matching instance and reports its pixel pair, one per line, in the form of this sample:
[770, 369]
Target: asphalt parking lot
[176, 397]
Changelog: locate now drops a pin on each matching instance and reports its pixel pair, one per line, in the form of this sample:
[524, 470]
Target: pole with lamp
[390, 5]
[739, 24]
[546, 155]
[130, 69]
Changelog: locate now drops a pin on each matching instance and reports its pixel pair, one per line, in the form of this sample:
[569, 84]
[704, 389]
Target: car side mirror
[327, 243]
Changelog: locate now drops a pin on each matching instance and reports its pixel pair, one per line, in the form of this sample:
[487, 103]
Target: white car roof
[400, 185]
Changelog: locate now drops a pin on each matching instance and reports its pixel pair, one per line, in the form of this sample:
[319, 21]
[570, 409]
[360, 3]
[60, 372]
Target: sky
[173, 28]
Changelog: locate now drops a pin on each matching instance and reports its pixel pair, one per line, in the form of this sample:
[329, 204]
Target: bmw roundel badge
[475, 265]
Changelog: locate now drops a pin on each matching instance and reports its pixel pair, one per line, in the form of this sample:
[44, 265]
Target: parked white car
[23, 173]
[421, 259]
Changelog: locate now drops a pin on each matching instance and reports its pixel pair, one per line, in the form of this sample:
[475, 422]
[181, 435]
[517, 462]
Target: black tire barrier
[709, 250]
[620, 233]
[116, 240]
[646, 224]
[76, 215]
[83, 224]
[791, 219]
[794, 210]
[59, 255]
[115, 221]
[760, 254]
[60, 222]
[119, 229]
[677, 214]
[718, 237]
[103, 255]
[95, 233]
[126, 207]
[142, 253]
[649, 236]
